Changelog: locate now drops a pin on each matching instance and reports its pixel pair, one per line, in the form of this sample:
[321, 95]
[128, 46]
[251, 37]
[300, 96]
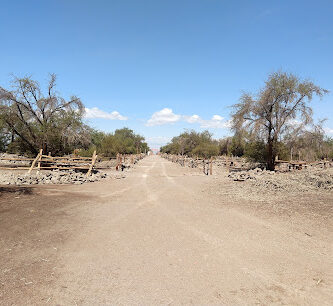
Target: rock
[51, 177]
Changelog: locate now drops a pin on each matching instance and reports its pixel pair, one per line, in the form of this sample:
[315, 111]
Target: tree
[237, 145]
[267, 115]
[206, 150]
[4, 136]
[256, 151]
[309, 144]
[123, 141]
[192, 143]
[38, 120]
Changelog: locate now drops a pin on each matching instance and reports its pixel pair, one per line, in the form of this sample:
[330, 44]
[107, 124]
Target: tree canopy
[269, 114]
[32, 119]
[192, 143]
[41, 120]
[123, 141]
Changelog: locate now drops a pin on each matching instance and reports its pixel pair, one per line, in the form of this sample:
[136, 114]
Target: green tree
[4, 137]
[237, 145]
[123, 141]
[192, 143]
[206, 150]
[37, 120]
[256, 151]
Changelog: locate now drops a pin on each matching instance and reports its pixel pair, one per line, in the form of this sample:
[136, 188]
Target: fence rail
[88, 164]
[232, 163]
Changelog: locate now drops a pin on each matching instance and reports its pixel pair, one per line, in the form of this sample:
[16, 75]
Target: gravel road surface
[157, 237]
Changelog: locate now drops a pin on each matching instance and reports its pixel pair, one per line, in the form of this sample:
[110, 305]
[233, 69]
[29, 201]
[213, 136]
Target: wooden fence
[205, 164]
[125, 159]
[232, 163]
[48, 162]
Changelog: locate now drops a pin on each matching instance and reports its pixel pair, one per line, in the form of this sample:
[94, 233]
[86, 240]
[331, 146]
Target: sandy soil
[164, 235]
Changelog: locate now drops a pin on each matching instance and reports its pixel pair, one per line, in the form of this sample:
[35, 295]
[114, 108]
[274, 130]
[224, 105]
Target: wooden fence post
[211, 166]
[93, 160]
[35, 160]
[117, 165]
[39, 160]
[204, 166]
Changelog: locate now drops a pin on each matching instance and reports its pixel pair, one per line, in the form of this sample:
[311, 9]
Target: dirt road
[157, 237]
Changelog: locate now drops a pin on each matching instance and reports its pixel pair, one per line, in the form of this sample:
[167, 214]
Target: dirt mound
[299, 180]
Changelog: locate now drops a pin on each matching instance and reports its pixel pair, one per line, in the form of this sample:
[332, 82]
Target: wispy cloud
[167, 116]
[95, 112]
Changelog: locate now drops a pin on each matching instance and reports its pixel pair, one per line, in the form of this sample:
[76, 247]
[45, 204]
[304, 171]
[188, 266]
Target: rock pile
[292, 181]
[248, 175]
[12, 162]
[49, 177]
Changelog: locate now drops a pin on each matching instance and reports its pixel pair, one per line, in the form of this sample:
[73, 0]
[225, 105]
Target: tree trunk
[31, 146]
[271, 144]
[45, 147]
[271, 154]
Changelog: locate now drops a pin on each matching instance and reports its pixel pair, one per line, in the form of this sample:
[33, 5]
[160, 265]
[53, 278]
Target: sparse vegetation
[31, 119]
[270, 114]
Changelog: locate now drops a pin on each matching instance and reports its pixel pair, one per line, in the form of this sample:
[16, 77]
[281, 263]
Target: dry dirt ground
[164, 235]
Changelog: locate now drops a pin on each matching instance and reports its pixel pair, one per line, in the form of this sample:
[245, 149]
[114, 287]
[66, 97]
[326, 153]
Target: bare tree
[268, 114]
[310, 144]
[40, 120]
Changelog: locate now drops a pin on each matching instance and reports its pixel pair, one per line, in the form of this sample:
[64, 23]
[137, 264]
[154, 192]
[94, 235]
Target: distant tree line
[274, 123]
[309, 145]
[31, 119]
[192, 143]
[123, 141]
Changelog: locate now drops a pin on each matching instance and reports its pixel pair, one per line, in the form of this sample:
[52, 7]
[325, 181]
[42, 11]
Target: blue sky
[152, 65]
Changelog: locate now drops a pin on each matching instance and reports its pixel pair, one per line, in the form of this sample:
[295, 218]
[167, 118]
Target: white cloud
[217, 118]
[164, 116]
[95, 112]
[217, 122]
[294, 122]
[328, 131]
[192, 119]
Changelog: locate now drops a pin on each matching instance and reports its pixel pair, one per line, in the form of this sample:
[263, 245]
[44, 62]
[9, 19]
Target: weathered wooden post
[211, 166]
[35, 160]
[93, 160]
[39, 159]
[117, 162]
